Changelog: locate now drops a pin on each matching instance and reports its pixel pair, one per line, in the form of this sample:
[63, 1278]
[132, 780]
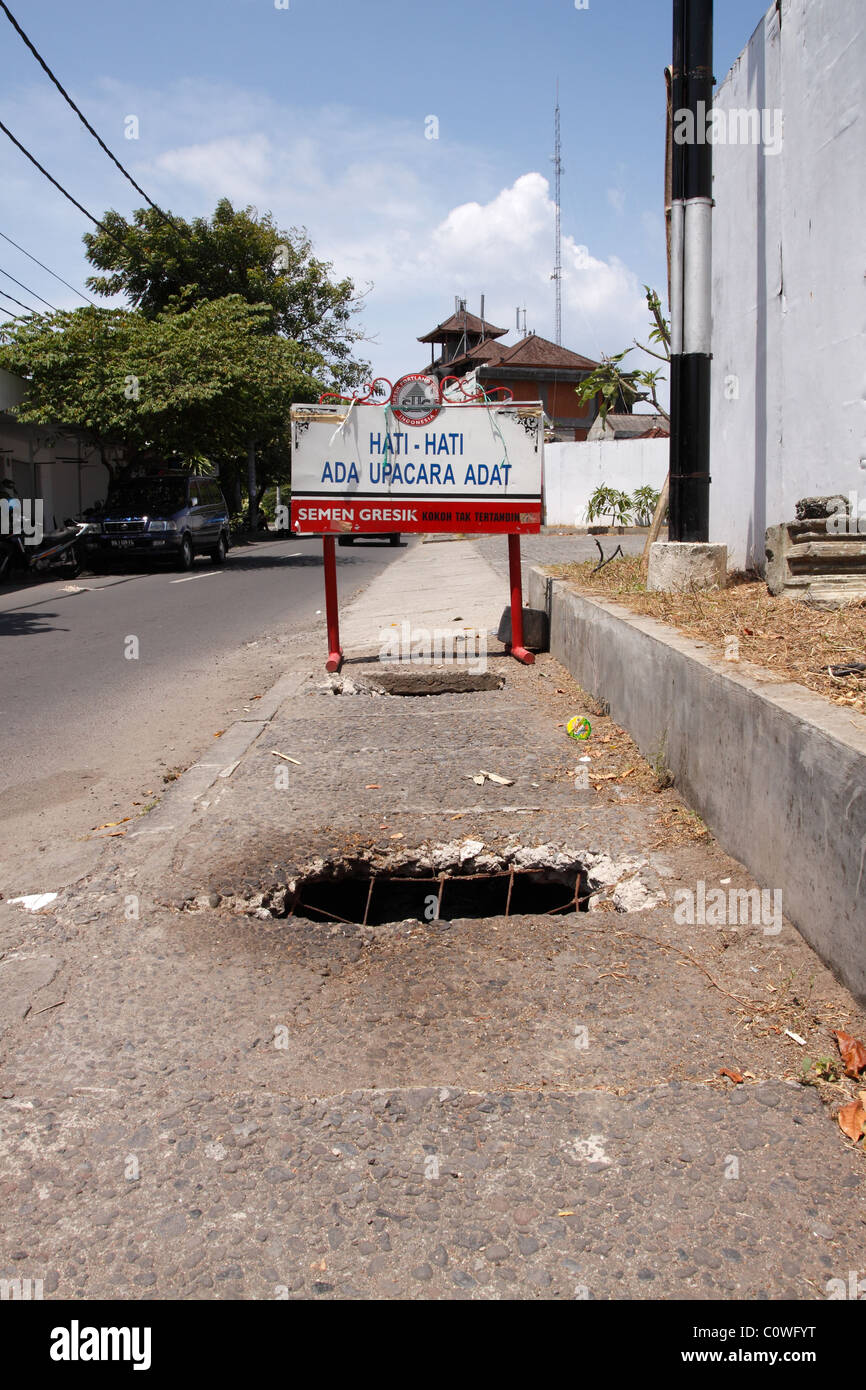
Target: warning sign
[456, 467]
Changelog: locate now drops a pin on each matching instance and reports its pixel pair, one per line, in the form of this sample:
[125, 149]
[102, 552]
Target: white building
[788, 273]
[48, 461]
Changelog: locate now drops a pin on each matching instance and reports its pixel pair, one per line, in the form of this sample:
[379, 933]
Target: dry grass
[793, 640]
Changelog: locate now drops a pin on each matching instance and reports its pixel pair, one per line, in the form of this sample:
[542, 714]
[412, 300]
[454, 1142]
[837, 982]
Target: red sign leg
[517, 649]
[332, 609]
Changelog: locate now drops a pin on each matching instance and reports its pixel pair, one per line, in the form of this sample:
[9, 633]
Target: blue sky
[318, 112]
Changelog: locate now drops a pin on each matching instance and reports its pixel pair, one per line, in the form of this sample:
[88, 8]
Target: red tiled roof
[464, 322]
[487, 352]
[533, 351]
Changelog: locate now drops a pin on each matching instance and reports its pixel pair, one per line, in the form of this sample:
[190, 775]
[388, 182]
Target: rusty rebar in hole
[552, 911]
[369, 896]
[329, 916]
[510, 886]
[442, 878]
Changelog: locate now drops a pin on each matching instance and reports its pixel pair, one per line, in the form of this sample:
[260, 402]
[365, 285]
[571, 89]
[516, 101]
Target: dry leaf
[852, 1120]
[735, 1076]
[852, 1052]
[372, 787]
[219, 733]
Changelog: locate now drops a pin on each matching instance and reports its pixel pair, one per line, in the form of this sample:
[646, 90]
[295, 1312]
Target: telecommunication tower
[557, 173]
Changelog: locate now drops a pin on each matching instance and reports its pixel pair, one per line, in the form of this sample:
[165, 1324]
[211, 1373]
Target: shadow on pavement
[20, 624]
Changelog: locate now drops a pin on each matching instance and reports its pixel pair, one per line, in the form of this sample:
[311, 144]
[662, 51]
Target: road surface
[90, 729]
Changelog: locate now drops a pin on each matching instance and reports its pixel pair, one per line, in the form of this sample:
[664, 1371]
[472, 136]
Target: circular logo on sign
[415, 399]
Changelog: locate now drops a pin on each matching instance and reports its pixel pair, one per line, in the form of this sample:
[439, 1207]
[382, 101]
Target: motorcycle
[57, 551]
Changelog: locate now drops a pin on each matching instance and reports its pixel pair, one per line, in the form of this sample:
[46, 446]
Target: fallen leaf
[372, 787]
[852, 1120]
[567, 1212]
[735, 1076]
[852, 1052]
[109, 824]
[219, 733]
[397, 835]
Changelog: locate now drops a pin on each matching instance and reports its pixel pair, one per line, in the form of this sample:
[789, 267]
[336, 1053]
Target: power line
[18, 302]
[80, 293]
[28, 289]
[80, 114]
[33, 160]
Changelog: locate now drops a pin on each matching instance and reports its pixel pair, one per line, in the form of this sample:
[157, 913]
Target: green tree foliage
[160, 266]
[179, 384]
[231, 320]
[620, 390]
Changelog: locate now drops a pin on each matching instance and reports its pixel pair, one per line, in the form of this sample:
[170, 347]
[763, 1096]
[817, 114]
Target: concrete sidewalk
[438, 585]
[206, 1098]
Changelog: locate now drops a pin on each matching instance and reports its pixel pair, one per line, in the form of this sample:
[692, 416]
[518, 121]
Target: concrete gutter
[776, 773]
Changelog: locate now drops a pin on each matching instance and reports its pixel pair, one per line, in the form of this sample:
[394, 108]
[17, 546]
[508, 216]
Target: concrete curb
[776, 773]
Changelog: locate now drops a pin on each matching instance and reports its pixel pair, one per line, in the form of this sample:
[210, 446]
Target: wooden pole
[656, 525]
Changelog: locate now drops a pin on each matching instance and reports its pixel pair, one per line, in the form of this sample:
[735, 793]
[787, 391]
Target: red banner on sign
[324, 515]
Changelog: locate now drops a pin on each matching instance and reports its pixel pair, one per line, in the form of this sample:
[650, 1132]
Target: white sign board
[417, 466]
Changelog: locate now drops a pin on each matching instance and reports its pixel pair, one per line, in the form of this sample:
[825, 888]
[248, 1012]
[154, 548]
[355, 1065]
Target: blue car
[170, 516]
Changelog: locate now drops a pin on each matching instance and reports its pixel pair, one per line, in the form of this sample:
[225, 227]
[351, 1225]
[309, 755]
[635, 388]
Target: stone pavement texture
[202, 1098]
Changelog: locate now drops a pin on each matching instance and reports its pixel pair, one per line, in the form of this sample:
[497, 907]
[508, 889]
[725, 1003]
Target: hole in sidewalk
[408, 678]
[371, 899]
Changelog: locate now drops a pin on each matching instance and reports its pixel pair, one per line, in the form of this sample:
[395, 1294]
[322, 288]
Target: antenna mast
[557, 268]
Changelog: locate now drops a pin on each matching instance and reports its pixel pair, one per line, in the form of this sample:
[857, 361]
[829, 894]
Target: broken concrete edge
[411, 678]
[619, 881]
[777, 774]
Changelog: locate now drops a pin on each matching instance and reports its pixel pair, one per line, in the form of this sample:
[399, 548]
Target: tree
[181, 384]
[620, 390]
[163, 266]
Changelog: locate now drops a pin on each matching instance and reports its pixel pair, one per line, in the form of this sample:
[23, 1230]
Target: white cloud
[422, 219]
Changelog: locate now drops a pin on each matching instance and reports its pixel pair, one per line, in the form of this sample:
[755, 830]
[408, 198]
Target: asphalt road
[88, 733]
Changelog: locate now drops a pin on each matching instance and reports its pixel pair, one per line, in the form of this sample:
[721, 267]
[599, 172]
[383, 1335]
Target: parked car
[163, 516]
[392, 537]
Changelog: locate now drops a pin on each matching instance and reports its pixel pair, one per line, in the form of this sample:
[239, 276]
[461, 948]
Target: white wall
[788, 309]
[12, 390]
[573, 471]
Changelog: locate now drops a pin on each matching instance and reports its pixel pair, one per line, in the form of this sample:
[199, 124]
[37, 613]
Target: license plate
[123, 542]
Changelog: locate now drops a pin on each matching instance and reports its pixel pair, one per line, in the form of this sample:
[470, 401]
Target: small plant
[644, 502]
[658, 762]
[820, 1069]
[609, 501]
